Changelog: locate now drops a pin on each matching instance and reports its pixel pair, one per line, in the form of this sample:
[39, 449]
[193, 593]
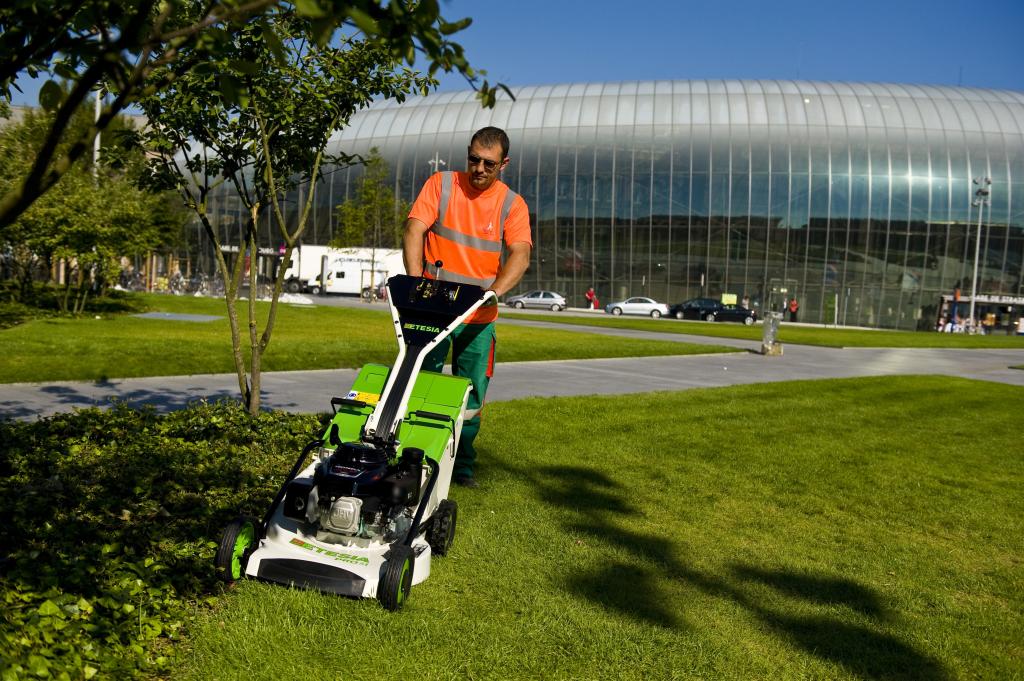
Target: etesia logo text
[422, 327]
[336, 555]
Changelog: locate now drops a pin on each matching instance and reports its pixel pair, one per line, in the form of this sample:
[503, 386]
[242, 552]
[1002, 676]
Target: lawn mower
[364, 518]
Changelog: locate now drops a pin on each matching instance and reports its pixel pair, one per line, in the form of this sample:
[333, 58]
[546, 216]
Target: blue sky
[940, 42]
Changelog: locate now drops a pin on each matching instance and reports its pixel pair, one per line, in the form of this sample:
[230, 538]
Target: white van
[352, 270]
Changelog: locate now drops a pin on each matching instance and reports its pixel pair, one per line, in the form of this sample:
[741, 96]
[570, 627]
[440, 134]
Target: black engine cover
[352, 468]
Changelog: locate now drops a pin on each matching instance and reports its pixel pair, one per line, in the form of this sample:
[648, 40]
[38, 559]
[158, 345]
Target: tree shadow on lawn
[593, 505]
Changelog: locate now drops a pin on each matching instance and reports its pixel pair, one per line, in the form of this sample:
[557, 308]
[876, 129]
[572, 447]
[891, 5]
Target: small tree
[98, 215]
[257, 119]
[374, 217]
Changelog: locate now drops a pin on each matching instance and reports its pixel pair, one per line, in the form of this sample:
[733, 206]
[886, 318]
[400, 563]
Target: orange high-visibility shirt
[468, 238]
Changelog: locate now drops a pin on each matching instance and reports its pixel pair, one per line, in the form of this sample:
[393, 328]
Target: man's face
[484, 164]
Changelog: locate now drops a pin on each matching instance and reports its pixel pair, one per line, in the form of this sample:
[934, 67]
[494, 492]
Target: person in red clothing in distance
[466, 220]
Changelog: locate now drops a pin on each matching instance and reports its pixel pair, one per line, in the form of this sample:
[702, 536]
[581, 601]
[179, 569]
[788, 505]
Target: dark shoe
[466, 481]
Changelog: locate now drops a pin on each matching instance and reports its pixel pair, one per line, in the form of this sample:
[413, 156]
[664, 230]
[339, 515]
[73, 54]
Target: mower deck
[290, 555]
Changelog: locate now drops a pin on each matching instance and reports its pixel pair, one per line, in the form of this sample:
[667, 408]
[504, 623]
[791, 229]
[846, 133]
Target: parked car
[735, 313]
[696, 308]
[637, 305]
[546, 299]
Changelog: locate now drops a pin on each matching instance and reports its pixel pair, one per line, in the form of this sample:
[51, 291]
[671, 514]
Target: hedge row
[111, 522]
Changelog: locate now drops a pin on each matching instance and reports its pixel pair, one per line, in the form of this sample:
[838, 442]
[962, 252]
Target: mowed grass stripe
[305, 337]
[788, 333]
[838, 529]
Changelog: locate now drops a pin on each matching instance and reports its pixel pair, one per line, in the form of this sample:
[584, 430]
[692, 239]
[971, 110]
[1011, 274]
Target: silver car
[548, 300]
[637, 305]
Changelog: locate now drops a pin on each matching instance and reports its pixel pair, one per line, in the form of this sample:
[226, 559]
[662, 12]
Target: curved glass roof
[757, 103]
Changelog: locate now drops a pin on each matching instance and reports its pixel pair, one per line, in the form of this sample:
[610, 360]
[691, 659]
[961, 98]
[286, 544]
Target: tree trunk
[254, 345]
[232, 280]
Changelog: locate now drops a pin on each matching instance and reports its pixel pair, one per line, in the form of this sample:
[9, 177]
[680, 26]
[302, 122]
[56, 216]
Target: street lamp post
[981, 199]
[96, 140]
[437, 162]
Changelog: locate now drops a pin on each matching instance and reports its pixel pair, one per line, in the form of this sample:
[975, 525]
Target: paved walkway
[310, 391]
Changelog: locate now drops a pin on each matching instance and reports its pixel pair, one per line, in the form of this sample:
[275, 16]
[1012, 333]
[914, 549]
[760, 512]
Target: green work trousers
[472, 347]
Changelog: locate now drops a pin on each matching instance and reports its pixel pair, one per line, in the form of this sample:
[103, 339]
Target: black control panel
[427, 306]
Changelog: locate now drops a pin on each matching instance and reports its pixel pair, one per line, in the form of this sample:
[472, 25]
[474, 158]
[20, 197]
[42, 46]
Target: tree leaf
[310, 8]
[51, 96]
[245, 67]
[364, 22]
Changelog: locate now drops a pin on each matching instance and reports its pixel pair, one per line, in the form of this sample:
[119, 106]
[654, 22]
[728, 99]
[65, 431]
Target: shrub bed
[42, 301]
[111, 524]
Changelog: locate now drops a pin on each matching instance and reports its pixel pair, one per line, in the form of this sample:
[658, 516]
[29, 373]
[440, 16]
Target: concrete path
[310, 391]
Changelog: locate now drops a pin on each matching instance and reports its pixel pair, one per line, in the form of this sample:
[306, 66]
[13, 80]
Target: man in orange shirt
[465, 220]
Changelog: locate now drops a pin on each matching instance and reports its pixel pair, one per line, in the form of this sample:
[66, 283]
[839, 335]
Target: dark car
[735, 313]
[697, 308]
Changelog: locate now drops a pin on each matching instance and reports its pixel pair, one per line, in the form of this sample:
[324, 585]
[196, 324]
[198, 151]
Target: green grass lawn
[305, 337]
[803, 335]
[863, 528]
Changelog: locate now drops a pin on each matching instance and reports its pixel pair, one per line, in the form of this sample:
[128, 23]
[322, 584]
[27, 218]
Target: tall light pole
[437, 162]
[96, 140]
[981, 199]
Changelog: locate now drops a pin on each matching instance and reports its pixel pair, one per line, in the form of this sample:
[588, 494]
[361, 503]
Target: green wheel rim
[243, 541]
[401, 580]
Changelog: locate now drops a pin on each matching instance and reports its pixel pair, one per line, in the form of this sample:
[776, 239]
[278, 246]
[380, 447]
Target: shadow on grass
[593, 506]
[819, 590]
[55, 398]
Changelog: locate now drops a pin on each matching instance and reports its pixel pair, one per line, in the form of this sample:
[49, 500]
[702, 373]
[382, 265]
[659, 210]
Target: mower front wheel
[442, 528]
[393, 590]
[236, 544]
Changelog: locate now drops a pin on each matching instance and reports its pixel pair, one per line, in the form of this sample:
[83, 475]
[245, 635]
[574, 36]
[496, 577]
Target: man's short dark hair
[490, 136]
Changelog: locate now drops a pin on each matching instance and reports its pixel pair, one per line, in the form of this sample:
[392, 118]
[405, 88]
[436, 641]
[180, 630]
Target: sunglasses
[489, 165]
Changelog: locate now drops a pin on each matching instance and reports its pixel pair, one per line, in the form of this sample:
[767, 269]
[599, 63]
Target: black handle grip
[346, 402]
[433, 415]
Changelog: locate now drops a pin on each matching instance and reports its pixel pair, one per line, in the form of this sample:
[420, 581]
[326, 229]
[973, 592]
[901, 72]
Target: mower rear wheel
[394, 586]
[239, 539]
[442, 528]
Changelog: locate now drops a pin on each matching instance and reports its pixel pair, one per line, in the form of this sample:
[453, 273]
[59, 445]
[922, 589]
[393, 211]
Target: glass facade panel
[853, 197]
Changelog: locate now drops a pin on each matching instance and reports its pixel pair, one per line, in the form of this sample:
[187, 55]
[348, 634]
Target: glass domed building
[855, 198]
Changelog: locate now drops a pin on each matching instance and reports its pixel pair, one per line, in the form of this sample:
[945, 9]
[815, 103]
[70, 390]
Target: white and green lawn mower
[364, 518]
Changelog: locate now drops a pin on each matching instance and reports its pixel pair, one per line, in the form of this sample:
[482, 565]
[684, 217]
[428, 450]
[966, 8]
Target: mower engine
[358, 492]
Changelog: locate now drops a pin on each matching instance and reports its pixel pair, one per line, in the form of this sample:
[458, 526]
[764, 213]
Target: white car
[637, 305]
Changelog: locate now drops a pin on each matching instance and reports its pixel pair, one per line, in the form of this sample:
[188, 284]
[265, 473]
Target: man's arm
[515, 266]
[412, 246]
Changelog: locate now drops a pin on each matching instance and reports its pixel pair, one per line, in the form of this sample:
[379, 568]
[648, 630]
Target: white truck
[321, 269]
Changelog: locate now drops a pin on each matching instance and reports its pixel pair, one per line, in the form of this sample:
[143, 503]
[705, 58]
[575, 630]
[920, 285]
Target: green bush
[12, 314]
[42, 301]
[111, 523]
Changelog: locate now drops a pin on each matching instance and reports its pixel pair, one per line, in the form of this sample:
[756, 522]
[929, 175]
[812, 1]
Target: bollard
[770, 344]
